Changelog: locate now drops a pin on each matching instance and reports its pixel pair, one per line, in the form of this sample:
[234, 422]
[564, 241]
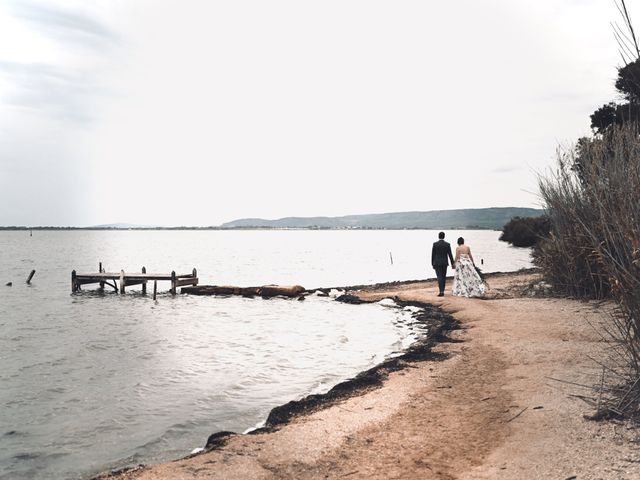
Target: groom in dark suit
[440, 256]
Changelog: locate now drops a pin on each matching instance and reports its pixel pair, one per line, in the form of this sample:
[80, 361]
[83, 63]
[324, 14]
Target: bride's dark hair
[460, 241]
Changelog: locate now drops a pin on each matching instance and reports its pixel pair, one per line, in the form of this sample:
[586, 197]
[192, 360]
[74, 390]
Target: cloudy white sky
[199, 112]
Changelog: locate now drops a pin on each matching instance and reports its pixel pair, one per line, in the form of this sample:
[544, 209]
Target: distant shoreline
[493, 218]
[118, 229]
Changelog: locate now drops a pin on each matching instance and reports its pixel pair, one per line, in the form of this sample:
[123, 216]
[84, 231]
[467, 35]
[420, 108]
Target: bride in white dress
[466, 281]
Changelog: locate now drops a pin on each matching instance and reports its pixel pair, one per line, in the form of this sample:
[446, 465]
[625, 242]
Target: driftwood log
[266, 291]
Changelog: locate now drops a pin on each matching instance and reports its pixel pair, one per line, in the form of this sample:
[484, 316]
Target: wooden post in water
[155, 288]
[73, 281]
[100, 271]
[144, 282]
[33, 272]
[173, 283]
[122, 281]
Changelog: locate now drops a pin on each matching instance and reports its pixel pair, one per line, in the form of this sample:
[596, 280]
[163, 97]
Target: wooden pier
[127, 279]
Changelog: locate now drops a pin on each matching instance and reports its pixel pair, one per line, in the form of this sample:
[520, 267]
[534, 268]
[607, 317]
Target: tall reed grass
[593, 204]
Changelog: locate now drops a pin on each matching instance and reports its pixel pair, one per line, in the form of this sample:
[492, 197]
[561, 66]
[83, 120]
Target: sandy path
[488, 411]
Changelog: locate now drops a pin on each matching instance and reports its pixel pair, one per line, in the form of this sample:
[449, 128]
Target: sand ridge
[491, 409]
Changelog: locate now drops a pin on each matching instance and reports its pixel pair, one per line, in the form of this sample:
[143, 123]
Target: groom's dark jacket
[440, 254]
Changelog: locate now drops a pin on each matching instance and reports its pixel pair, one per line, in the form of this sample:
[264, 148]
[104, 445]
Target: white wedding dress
[466, 281]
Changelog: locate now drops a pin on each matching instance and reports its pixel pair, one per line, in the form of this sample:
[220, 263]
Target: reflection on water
[94, 380]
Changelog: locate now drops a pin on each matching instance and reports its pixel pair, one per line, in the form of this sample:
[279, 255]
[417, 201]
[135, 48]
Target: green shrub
[525, 232]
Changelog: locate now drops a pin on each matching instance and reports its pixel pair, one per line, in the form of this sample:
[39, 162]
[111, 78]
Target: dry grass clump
[593, 204]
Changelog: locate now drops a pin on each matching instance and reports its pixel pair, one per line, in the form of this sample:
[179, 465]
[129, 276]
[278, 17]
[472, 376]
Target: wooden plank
[105, 276]
[180, 282]
[86, 281]
[138, 276]
[222, 290]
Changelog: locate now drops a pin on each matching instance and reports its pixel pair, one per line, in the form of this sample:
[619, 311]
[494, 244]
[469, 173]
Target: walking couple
[466, 280]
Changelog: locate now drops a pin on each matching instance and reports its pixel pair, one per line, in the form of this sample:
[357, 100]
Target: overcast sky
[199, 112]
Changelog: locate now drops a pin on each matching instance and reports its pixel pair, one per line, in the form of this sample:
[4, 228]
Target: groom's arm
[433, 253]
[451, 257]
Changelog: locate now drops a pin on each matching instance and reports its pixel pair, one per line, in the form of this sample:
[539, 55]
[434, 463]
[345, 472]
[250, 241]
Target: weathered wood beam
[186, 281]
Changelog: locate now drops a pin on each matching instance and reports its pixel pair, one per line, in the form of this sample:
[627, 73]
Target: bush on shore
[593, 250]
[525, 231]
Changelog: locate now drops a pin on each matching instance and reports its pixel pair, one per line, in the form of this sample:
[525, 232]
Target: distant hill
[469, 218]
[481, 218]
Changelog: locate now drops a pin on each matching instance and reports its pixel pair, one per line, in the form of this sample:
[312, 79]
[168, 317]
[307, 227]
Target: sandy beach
[499, 403]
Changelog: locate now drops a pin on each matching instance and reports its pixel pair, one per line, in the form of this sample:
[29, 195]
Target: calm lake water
[95, 381]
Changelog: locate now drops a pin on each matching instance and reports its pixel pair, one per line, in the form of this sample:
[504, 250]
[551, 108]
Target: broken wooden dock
[265, 291]
[124, 279]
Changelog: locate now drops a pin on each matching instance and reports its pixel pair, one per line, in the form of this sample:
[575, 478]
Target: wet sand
[492, 402]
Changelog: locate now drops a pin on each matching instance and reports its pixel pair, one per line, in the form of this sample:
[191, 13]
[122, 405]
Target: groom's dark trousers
[440, 256]
[441, 273]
